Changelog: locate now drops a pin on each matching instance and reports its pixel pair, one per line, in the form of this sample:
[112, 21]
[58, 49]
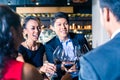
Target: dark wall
[78, 7]
[41, 2]
[53, 2]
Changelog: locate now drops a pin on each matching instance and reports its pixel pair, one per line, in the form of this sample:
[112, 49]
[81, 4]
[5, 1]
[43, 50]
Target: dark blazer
[104, 61]
[77, 39]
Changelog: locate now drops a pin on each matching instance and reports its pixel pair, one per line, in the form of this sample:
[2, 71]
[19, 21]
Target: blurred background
[83, 14]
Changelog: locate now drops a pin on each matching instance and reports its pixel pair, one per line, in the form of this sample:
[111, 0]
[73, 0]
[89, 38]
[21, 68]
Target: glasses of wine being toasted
[68, 57]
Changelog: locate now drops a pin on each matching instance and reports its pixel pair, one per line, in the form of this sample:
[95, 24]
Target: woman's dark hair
[58, 15]
[113, 6]
[31, 18]
[8, 19]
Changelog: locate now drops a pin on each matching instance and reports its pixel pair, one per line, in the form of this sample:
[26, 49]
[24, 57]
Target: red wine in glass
[68, 66]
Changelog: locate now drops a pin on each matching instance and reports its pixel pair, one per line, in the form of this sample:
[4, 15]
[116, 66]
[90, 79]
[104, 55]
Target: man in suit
[60, 24]
[103, 63]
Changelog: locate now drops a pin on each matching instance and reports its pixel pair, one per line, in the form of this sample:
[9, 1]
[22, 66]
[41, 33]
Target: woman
[30, 50]
[10, 39]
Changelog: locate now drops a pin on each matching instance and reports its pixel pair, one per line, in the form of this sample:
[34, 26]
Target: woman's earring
[25, 36]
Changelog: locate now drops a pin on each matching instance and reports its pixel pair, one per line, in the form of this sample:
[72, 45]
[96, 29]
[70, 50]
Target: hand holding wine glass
[48, 69]
[56, 59]
[70, 60]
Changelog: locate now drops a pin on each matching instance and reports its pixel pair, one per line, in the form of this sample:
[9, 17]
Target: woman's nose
[37, 30]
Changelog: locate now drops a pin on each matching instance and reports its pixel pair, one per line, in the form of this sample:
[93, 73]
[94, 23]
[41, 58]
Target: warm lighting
[79, 1]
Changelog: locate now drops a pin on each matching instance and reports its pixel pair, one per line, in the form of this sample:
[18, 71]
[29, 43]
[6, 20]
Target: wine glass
[77, 52]
[57, 59]
[60, 56]
[84, 49]
[71, 60]
[68, 58]
[57, 55]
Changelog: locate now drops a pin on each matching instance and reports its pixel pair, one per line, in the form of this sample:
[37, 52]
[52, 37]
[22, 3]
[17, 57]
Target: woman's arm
[31, 73]
[20, 58]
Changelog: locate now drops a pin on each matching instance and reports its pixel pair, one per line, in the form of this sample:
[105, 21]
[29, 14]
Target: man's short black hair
[58, 15]
[113, 6]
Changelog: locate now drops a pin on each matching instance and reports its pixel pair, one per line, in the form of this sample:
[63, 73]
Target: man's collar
[115, 33]
[65, 40]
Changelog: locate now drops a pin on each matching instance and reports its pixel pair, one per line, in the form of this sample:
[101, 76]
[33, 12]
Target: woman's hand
[48, 68]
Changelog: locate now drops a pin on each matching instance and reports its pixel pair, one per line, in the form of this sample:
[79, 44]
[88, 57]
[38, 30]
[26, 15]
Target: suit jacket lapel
[74, 40]
[57, 42]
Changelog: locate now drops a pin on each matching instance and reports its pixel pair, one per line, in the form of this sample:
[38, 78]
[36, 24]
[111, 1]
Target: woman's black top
[33, 57]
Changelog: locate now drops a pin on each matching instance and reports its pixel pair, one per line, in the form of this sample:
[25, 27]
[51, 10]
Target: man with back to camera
[103, 63]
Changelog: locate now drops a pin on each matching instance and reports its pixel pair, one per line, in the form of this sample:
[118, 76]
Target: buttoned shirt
[68, 48]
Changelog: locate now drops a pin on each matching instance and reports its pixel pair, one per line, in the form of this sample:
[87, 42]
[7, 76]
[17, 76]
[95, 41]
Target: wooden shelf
[68, 9]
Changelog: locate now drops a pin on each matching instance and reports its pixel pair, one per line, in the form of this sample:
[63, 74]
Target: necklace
[30, 47]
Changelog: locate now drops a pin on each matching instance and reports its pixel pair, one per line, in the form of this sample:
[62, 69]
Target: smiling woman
[30, 51]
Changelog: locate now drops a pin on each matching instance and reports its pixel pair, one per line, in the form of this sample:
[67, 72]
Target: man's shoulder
[99, 51]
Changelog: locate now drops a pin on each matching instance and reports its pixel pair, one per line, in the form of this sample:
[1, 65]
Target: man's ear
[106, 13]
